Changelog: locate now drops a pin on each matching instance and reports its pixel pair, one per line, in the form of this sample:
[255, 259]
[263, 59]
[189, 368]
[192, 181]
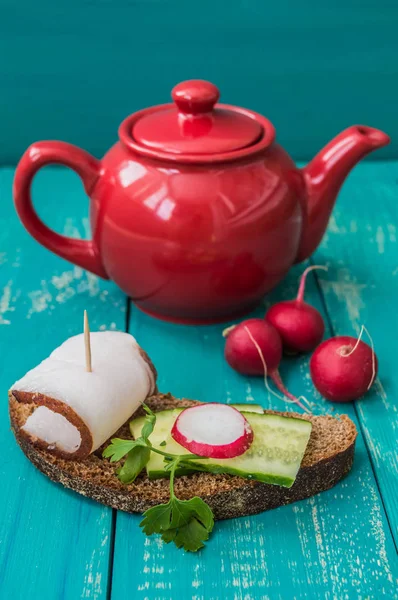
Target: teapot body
[196, 212]
[194, 243]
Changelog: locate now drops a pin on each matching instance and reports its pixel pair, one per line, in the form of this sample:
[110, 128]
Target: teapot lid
[195, 128]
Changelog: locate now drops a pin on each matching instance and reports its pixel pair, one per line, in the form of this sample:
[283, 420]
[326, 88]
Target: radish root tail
[276, 378]
[228, 330]
[300, 293]
[364, 329]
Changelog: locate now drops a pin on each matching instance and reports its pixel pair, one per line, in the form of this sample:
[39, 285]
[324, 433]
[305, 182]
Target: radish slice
[213, 430]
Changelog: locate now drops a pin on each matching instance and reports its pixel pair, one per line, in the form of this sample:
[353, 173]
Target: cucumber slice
[253, 408]
[274, 456]
[158, 438]
[162, 426]
[162, 420]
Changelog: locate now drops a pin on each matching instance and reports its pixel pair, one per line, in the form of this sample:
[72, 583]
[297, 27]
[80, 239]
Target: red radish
[300, 325]
[343, 368]
[213, 430]
[254, 347]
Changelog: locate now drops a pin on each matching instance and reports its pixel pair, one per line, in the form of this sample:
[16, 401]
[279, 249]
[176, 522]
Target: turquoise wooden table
[338, 545]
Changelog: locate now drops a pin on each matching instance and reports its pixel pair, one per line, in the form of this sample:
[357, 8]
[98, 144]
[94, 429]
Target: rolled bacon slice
[75, 412]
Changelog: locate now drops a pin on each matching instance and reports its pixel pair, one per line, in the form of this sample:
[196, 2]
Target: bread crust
[228, 496]
[37, 399]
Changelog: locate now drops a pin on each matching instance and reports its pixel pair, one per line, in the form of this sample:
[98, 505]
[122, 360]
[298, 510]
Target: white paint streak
[87, 228]
[347, 291]
[382, 394]
[64, 287]
[88, 282]
[5, 304]
[379, 450]
[380, 240]
[17, 259]
[304, 541]
[373, 445]
[197, 581]
[92, 284]
[144, 586]
[353, 226]
[92, 585]
[319, 540]
[70, 229]
[75, 281]
[40, 299]
[379, 535]
[392, 232]
[333, 226]
[249, 395]
[60, 282]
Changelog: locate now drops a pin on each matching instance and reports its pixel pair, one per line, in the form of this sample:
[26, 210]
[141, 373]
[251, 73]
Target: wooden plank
[362, 287]
[53, 543]
[335, 545]
[311, 68]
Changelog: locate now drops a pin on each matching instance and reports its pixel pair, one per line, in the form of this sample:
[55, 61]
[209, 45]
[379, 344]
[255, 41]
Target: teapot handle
[80, 252]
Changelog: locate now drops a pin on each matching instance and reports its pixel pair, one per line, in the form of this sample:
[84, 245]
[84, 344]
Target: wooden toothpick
[87, 344]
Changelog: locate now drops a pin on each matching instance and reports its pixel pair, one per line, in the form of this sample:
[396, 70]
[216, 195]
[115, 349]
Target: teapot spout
[325, 174]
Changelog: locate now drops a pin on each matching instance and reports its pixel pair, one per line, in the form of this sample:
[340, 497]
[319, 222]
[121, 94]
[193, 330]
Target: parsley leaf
[118, 448]
[136, 460]
[148, 410]
[169, 535]
[187, 523]
[192, 535]
[195, 508]
[156, 519]
[149, 423]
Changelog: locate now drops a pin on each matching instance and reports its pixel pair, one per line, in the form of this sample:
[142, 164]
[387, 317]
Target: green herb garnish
[187, 523]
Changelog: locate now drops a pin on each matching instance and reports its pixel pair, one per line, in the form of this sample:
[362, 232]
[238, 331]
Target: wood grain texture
[73, 69]
[335, 545]
[361, 287]
[53, 544]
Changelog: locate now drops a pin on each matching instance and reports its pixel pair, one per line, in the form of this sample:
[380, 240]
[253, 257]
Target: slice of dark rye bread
[328, 457]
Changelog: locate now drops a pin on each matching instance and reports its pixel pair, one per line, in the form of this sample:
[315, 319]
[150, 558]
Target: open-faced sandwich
[108, 434]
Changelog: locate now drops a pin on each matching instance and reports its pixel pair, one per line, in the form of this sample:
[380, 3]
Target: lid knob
[195, 96]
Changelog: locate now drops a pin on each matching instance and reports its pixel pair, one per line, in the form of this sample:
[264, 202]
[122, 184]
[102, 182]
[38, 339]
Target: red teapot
[196, 212]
